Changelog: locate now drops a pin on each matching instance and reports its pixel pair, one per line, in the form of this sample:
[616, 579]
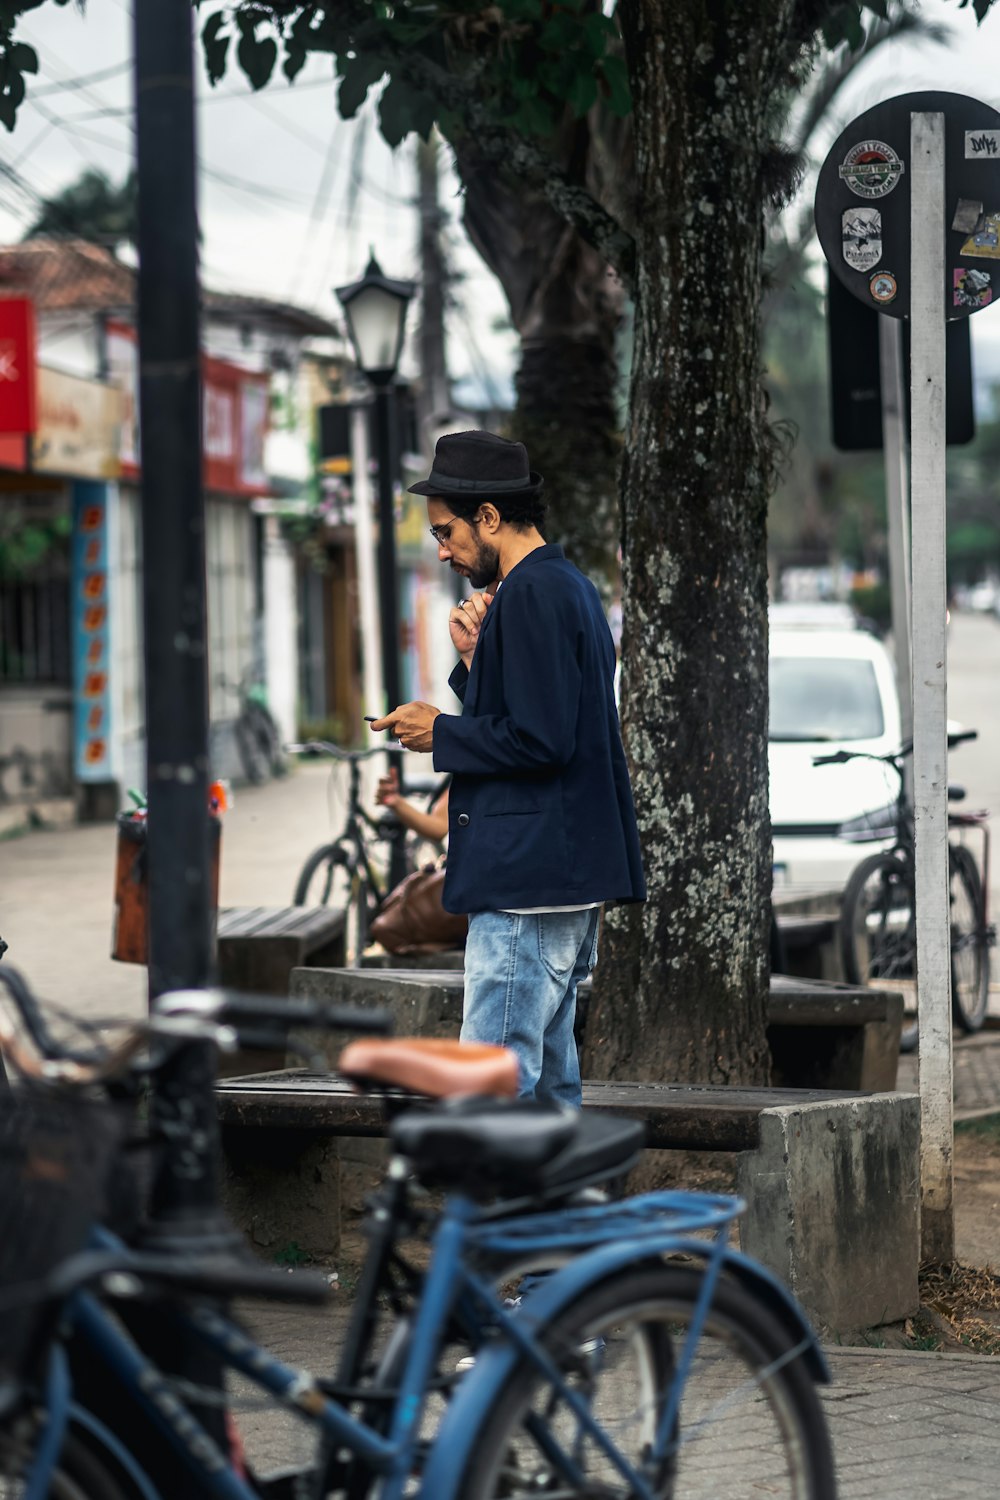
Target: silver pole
[897, 487]
[364, 552]
[930, 680]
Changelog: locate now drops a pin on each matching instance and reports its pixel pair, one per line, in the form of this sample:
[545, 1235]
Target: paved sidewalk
[909, 1424]
[904, 1425]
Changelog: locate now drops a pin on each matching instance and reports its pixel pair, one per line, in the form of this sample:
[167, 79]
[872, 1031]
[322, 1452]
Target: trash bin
[130, 936]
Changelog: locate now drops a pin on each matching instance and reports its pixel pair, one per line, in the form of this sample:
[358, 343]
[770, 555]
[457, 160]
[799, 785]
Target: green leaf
[295, 61]
[599, 31]
[615, 75]
[23, 58]
[534, 117]
[582, 94]
[562, 33]
[215, 46]
[402, 109]
[844, 25]
[358, 75]
[257, 57]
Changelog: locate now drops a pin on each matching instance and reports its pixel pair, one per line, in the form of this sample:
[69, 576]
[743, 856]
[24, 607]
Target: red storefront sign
[234, 418]
[17, 365]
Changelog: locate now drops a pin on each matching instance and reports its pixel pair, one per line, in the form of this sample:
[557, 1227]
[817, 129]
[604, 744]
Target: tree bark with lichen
[567, 307]
[681, 989]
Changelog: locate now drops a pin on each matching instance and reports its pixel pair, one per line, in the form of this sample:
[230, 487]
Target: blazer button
[463, 820]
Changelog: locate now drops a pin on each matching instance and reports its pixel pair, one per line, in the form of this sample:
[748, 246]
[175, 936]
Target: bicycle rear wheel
[750, 1419]
[878, 932]
[970, 954]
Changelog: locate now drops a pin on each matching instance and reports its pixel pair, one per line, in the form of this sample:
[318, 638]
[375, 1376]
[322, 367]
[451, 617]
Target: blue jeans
[521, 976]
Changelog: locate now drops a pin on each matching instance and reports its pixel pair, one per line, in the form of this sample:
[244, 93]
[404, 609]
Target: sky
[292, 199]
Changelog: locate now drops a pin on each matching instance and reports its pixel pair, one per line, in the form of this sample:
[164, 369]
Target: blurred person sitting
[431, 824]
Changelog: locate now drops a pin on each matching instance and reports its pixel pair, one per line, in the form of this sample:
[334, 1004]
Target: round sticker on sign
[871, 169]
[883, 287]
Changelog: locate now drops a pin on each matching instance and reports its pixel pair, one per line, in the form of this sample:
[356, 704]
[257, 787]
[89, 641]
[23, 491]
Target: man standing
[541, 824]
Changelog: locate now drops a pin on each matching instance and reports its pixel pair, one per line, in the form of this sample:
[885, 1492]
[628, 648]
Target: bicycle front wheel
[970, 954]
[878, 932]
[750, 1420]
[325, 879]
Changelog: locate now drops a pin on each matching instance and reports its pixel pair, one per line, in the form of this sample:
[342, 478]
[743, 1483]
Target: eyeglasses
[443, 532]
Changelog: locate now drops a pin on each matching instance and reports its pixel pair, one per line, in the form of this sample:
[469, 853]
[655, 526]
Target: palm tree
[91, 208]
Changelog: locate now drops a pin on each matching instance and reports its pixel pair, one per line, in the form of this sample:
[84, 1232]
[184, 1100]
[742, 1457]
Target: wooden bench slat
[306, 922]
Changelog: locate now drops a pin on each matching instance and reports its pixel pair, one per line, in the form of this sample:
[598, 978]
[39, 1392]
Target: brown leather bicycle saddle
[436, 1068]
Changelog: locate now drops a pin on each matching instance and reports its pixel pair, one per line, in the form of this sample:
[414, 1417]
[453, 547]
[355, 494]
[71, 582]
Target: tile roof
[75, 274]
[59, 274]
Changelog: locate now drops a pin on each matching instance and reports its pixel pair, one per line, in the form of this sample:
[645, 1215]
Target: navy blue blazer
[540, 811]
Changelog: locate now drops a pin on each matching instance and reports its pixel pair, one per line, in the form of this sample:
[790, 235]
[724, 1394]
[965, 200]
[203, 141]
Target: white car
[829, 690]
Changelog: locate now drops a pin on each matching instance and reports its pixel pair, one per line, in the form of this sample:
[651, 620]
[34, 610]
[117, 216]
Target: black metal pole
[184, 1208]
[173, 530]
[388, 581]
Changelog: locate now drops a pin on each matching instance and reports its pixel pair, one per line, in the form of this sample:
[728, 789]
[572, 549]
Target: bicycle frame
[462, 1229]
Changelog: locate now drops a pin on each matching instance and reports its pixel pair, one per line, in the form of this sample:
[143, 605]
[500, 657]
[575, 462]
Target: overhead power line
[60, 85]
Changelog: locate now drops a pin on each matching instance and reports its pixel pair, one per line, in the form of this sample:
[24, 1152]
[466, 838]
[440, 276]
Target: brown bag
[413, 920]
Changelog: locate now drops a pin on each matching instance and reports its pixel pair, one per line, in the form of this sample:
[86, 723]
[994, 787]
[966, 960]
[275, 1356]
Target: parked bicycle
[656, 1362]
[878, 916]
[347, 872]
[258, 739]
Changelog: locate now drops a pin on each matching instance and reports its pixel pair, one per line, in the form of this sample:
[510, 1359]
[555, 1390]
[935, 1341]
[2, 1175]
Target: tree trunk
[567, 308]
[681, 989]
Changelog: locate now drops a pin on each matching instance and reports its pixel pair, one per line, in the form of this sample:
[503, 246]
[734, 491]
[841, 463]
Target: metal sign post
[908, 214]
[897, 491]
[364, 552]
[930, 682]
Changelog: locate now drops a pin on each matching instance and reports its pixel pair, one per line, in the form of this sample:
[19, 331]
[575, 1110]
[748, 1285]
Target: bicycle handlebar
[230, 1008]
[224, 1017]
[324, 747]
[840, 757]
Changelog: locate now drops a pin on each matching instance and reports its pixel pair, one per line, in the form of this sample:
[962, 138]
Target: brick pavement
[904, 1424]
[908, 1424]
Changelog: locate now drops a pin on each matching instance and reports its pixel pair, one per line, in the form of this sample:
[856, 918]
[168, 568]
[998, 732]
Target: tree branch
[497, 143]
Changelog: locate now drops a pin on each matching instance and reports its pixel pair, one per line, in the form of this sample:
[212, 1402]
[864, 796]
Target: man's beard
[486, 567]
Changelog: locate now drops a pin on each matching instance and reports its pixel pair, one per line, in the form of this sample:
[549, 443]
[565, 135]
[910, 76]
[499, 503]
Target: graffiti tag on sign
[982, 145]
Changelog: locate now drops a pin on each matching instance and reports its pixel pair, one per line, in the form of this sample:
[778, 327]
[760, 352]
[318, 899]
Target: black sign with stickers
[863, 204]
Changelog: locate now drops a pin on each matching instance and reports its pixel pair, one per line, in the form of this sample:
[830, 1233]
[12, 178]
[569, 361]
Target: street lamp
[375, 313]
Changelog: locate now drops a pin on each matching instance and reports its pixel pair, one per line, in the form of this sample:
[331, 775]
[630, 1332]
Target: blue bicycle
[655, 1363]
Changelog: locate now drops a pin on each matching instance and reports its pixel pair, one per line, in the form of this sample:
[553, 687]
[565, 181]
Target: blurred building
[71, 685]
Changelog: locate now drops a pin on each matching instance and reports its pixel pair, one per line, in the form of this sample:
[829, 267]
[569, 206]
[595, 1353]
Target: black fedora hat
[468, 465]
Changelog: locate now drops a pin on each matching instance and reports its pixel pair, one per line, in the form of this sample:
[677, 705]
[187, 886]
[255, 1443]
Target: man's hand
[413, 725]
[387, 791]
[464, 624]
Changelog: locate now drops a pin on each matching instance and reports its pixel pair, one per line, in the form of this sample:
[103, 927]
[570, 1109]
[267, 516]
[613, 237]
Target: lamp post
[375, 313]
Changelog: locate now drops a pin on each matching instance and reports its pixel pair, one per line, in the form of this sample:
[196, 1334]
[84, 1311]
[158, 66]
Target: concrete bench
[807, 926]
[831, 1179]
[259, 946]
[821, 1035]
